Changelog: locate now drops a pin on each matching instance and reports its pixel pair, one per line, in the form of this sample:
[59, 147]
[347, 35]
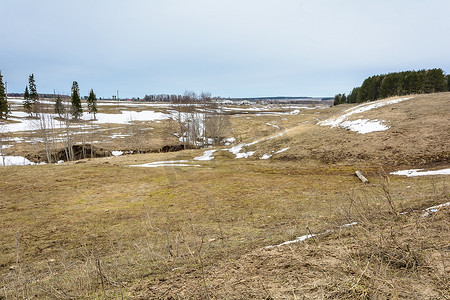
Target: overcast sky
[231, 48]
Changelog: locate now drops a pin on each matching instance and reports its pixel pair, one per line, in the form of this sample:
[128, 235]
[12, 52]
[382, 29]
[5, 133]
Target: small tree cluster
[339, 99]
[187, 97]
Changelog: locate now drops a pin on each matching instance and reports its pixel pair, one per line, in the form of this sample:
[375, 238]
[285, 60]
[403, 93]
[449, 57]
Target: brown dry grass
[418, 136]
[102, 229]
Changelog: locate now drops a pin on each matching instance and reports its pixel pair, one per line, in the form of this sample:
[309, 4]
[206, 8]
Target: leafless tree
[201, 121]
[46, 128]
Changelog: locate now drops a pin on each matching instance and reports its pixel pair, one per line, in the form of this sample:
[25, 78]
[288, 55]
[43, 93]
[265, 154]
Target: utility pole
[117, 97]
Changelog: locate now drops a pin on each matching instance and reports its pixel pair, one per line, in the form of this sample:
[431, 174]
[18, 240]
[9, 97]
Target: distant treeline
[397, 84]
[187, 97]
[283, 100]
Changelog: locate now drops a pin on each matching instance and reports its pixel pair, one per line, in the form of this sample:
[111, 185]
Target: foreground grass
[100, 227]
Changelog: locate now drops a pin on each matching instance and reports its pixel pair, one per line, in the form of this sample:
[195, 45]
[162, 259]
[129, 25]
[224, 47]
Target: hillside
[417, 135]
[196, 223]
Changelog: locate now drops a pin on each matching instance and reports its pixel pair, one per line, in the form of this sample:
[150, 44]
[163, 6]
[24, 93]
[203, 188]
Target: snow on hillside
[421, 172]
[361, 125]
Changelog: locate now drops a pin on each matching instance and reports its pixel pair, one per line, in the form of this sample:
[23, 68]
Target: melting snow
[14, 161]
[127, 116]
[361, 126]
[302, 238]
[434, 209]
[364, 125]
[299, 239]
[273, 125]
[282, 150]
[266, 156]
[308, 236]
[206, 156]
[420, 172]
[237, 149]
[119, 136]
[245, 154]
[173, 163]
[117, 153]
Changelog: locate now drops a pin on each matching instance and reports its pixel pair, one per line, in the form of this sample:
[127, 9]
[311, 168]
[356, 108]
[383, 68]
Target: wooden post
[361, 177]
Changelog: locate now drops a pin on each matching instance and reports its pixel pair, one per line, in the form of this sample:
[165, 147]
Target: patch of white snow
[174, 163]
[266, 156]
[364, 126]
[421, 172]
[245, 154]
[282, 150]
[207, 155]
[334, 122]
[6, 160]
[299, 239]
[273, 125]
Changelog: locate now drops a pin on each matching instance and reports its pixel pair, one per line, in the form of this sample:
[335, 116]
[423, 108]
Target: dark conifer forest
[397, 84]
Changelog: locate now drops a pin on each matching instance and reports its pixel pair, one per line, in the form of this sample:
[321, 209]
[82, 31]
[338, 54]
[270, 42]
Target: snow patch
[245, 154]
[119, 136]
[282, 150]
[364, 126]
[273, 125]
[207, 155]
[173, 163]
[299, 239]
[237, 149]
[361, 126]
[6, 160]
[421, 172]
[267, 156]
[117, 153]
[127, 116]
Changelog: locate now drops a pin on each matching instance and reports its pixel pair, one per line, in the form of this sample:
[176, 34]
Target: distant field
[109, 228]
[133, 126]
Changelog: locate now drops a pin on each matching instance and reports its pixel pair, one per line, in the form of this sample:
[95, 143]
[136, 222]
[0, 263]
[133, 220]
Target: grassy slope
[102, 228]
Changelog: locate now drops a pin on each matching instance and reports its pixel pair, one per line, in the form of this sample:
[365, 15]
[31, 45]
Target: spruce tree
[76, 109]
[27, 104]
[26, 94]
[4, 109]
[33, 93]
[59, 106]
[92, 103]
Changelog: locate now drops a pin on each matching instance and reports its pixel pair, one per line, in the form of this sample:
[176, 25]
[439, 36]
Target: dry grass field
[102, 229]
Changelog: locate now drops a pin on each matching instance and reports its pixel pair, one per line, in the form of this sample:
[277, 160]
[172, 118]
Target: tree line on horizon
[397, 84]
[32, 105]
